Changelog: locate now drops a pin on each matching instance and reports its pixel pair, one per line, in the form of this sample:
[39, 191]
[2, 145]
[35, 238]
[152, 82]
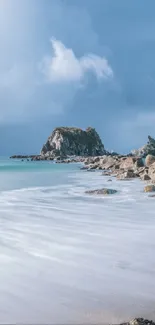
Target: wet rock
[84, 167]
[107, 173]
[149, 188]
[90, 170]
[103, 191]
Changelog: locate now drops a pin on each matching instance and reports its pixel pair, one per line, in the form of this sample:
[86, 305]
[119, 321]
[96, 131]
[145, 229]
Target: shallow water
[69, 257]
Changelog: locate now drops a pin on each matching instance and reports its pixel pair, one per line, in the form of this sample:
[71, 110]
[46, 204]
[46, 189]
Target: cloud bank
[65, 66]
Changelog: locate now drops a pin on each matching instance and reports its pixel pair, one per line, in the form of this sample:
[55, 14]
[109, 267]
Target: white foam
[69, 257]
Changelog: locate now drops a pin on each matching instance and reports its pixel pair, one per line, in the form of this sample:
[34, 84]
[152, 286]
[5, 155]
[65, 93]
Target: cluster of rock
[123, 167]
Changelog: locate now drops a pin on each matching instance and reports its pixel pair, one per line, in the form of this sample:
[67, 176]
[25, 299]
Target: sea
[70, 258]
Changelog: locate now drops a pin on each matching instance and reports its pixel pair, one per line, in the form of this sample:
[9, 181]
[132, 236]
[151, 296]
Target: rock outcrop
[139, 321]
[147, 149]
[70, 141]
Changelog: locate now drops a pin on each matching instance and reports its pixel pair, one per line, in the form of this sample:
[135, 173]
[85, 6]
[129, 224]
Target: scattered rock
[103, 191]
[149, 188]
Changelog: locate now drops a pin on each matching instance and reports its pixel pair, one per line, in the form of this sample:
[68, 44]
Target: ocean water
[66, 257]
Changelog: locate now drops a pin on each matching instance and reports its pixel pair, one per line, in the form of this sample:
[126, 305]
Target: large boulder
[149, 160]
[149, 188]
[103, 191]
[127, 163]
[71, 141]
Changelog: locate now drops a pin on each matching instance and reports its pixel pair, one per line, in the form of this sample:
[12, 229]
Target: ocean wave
[61, 249]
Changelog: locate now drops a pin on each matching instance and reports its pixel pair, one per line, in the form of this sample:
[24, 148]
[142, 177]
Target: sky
[76, 63]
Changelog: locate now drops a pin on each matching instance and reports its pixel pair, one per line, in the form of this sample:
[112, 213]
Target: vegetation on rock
[69, 141]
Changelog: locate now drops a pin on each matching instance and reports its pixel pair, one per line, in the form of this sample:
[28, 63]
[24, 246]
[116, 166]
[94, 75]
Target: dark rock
[107, 173]
[73, 141]
[84, 167]
[22, 156]
[103, 191]
[90, 170]
[145, 177]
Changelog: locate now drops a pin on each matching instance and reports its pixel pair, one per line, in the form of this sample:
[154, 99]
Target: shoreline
[116, 316]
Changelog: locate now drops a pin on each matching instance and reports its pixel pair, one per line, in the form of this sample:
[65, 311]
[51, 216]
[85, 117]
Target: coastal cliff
[70, 141]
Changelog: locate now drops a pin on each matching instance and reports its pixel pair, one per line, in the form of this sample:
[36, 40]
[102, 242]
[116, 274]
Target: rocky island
[66, 142]
[71, 141]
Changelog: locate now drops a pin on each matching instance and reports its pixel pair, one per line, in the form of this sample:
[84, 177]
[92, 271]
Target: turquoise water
[66, 257]
[16, 174]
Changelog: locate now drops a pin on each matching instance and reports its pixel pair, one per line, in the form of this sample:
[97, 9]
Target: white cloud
[64, 66]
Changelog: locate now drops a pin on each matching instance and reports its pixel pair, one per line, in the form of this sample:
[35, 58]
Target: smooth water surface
[69, 257]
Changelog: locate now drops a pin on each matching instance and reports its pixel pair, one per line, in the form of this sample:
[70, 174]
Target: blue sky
[76, 63]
